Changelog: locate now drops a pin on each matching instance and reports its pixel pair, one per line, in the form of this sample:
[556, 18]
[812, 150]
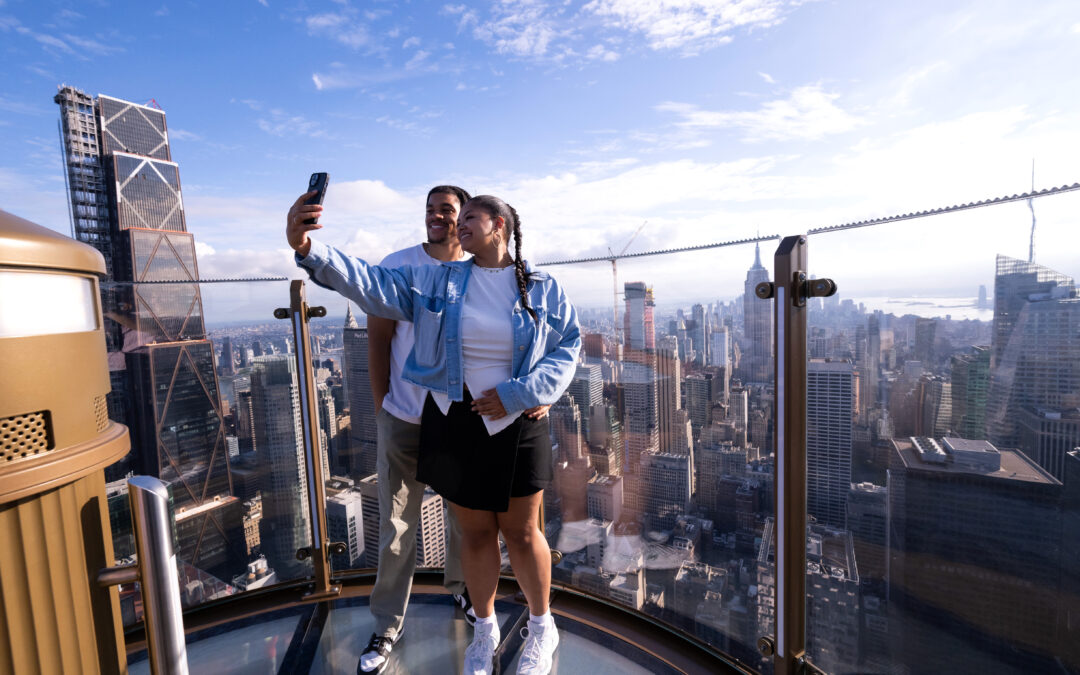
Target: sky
[706, 120]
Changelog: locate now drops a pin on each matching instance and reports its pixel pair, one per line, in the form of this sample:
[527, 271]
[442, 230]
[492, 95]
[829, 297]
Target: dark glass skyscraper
[1035, 364]
[126, 202]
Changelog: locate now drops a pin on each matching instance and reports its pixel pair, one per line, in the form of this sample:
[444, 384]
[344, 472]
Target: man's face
[442, 217]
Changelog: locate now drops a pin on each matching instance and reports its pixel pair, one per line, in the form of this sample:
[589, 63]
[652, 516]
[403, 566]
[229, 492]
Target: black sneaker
[378, 646]
[465, 604]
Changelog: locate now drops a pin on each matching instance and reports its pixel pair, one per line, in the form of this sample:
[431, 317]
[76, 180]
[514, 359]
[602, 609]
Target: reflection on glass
[198, 410]
[662, 498]
[953, 423]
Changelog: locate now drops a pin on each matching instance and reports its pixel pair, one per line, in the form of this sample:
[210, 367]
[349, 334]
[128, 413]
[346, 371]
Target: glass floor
[327, 638]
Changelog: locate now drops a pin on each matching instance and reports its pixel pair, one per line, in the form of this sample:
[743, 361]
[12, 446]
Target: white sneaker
[539, 649]
[480, 655]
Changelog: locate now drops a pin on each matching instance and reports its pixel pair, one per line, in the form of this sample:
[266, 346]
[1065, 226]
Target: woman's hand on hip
[489, 405]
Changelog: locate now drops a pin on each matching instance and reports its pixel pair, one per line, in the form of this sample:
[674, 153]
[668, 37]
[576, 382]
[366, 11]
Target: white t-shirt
[487, 336]
[404, 400]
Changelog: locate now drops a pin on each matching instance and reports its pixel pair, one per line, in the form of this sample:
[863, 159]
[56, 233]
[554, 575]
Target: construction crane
[615, 277]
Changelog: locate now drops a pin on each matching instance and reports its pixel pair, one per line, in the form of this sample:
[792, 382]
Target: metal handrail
[300, 314]
[157, 575]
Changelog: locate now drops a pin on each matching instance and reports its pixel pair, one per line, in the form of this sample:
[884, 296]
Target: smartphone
[318, 182]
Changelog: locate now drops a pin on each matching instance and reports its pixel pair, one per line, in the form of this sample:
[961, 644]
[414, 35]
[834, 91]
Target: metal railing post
[299, 314]
[790, 291]
[158, 577]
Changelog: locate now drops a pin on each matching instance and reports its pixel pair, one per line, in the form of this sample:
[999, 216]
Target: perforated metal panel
[101, 413]
[24, 436]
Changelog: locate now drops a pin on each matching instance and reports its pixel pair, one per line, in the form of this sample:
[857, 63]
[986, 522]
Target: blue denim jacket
[430, 296]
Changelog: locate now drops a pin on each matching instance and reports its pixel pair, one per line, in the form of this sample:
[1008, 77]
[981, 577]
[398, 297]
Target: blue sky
[710, 119]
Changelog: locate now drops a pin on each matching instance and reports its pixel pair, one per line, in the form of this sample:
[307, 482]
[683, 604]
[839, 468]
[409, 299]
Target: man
[398, 406]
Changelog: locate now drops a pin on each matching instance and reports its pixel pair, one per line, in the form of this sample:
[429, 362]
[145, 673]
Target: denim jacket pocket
[429, 347]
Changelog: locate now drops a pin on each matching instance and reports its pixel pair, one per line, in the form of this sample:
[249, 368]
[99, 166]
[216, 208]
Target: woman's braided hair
[495, 208]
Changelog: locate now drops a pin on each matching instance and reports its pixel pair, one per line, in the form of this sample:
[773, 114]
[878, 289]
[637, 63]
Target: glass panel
[662, 492]
[219, 425]
[943, 415]
[662, 499]
[339, 345]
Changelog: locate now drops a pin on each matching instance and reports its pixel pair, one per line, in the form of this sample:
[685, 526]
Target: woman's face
[477, 230]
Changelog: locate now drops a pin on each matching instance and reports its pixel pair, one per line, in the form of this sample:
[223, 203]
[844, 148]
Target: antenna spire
[1031, 206]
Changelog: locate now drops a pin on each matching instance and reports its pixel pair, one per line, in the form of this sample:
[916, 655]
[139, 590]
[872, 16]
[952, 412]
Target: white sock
[487, 624]
[542, 621]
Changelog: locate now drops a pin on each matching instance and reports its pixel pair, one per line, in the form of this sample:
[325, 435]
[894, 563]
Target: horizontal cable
[666, 251]
[948, 209]
[194, 281]
[834, 228]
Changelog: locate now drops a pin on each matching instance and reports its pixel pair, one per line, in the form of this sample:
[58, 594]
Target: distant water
[958, 308]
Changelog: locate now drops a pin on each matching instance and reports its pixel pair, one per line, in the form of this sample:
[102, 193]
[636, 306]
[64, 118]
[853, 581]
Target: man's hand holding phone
[304, 214]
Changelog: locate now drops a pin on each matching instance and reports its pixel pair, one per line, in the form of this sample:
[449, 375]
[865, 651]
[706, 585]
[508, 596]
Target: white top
[487, 336]
[404, 400]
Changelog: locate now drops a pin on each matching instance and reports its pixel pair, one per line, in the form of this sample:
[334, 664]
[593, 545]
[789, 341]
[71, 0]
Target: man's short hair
[462, 195]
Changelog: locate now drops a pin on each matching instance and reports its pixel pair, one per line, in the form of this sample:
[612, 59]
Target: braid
[519, 263]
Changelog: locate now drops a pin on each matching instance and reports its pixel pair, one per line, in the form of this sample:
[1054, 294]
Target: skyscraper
[700, 335]
[830, 417]
[873, 359]
[719, 347]
[640, 329]
[757, 326]
[275, 400]
[125, 201]
[666, 481]
[227, 363]
[1035, 365]
[345, 523]
[669, 395]
[642, 418]
[925, 332]
[362, 433]
[969, 526]
[970, 379]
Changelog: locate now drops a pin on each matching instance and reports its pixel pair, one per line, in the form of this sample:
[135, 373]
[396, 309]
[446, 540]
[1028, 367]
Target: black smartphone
[318, 182]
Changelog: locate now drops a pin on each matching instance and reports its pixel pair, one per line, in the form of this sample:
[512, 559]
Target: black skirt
[461, 462]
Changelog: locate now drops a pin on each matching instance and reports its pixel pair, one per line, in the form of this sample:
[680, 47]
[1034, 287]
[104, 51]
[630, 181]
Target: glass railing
[662, 491]
[943, 400]
[662, 499]
[942, 499]
[204, 378]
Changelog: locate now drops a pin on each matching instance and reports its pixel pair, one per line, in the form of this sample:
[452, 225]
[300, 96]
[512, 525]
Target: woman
[494, 339]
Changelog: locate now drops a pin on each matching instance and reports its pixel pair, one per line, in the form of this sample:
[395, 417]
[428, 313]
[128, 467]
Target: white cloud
[411, 42]
[602, 53]
[176, 134]
[340, 27]
[520, 28]
[690, 26]
[317, 80]
[809, 113]
[417, 60]
[767, 77]
[264, 3]
[553, 32]
[281, 123]
[531, 40]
